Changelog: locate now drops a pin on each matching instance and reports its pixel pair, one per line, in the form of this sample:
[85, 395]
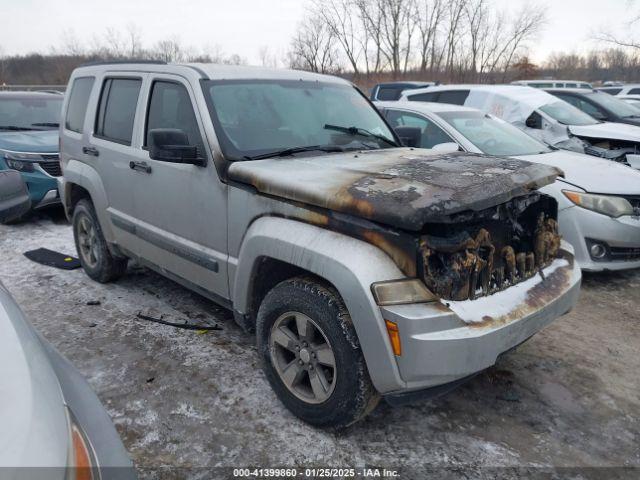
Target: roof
[212, 71]
[530, 97]
[558, 80]
[400, 83]
[24, 94]
[426, 107]
[581, 91]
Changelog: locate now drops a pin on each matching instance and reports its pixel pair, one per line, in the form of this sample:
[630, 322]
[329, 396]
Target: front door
[180, 209]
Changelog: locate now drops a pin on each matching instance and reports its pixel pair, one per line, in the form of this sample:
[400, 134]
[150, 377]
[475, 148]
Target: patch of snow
[500, 303]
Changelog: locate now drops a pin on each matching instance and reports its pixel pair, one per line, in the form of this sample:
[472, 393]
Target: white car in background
[629, 90]
[52, 424]
[598, 201]
[543, 116]
[553, 83]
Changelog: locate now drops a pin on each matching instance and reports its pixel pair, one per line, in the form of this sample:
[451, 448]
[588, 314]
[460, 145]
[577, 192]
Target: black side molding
[170, 246]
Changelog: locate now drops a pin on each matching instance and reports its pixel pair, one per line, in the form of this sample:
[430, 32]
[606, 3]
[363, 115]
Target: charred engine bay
[616, 150]
[479, 253]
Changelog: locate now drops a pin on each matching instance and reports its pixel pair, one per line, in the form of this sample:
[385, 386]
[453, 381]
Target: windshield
[492, 136]
[30, 112]
[616, 106]
[567, 114]
[259, 118]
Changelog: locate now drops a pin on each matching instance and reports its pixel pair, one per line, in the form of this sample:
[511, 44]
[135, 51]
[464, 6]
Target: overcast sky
[244, 26]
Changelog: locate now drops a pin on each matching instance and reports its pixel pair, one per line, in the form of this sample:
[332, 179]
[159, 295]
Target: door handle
[91, 151]
[140, 166]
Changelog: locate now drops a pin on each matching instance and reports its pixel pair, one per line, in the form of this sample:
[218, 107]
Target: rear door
[180, 209]
[110, 148]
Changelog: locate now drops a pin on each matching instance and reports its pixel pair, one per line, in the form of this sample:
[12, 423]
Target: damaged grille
[483, 252]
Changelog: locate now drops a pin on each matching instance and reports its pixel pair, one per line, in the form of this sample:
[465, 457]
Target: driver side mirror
[409, 136]
[14, 196]
[534, 121]
[172, 145]
[448, 147]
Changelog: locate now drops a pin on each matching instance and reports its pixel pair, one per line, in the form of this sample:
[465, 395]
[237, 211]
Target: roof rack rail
[123, 62]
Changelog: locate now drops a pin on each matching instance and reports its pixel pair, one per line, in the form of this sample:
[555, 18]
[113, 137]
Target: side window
[117, 109]
[633, 91]
[575, 101]
[171, 107]
[431, 134]
[454, 97]
[78, 100]
[591, 109]
[615, 91]
[424, 97]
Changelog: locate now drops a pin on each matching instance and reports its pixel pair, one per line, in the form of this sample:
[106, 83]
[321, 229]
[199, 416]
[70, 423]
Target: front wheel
[93, 252]
[311, 355]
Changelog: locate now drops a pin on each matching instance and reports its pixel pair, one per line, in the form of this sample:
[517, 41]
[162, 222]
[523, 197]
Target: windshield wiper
[362, 132]
[293, 150]
[45, 124]
[15, 128]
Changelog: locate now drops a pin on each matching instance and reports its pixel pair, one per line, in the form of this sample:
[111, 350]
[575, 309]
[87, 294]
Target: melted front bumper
[444, 342]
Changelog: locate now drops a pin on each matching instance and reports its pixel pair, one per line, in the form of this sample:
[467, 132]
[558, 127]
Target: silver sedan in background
[598, 200]
[52, 424]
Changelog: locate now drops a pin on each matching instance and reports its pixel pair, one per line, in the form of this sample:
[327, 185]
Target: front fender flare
[350, 265]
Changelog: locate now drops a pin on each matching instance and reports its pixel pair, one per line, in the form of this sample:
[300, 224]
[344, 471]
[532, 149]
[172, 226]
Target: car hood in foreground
[40, 141]
[608, 130]
[590, 173]
[401, 187]
[34, 431]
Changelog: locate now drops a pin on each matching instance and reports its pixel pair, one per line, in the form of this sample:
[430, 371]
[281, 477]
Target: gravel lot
[567, 398]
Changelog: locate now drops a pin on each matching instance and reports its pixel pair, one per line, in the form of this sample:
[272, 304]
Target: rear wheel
[311, 355]
[93, 252]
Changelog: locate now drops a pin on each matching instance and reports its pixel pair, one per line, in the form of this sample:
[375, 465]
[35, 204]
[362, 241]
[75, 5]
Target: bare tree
[313, 47]
[343, 20]
[429, 15]
[169, 50]
[133, 40]
[267, 58]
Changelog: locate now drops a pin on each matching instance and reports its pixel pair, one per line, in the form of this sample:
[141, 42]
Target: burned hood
[400, 187]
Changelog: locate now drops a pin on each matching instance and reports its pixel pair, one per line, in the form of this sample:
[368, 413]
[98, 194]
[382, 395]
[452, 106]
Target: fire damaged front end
[499, 276]
[479, 254]
[481, 266]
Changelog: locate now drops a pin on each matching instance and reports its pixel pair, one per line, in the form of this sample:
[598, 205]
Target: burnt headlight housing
[400, 292]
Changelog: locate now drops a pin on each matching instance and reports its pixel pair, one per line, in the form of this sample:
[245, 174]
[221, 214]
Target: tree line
[470, 40]
[55, 67]
[368, 41]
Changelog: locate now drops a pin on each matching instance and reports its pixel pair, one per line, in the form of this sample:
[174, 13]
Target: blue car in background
[29, 142]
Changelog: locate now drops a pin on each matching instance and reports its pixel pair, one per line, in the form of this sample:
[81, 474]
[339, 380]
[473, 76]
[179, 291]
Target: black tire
[352, 396]
[102, 267]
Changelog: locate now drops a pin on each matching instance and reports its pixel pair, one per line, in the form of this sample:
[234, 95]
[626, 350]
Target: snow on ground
[568, 397]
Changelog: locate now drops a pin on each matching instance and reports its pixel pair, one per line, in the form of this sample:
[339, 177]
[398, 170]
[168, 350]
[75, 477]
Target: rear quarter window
[454, 97]
[77, 106]
[117, 109]
[424, 97]
[389, 93]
